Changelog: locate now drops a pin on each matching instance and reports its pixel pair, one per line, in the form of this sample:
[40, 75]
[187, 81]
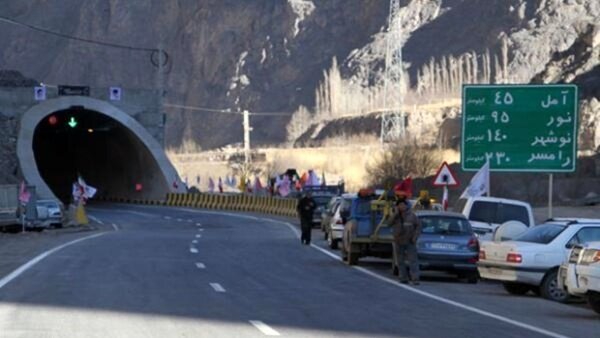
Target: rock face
[269, 56]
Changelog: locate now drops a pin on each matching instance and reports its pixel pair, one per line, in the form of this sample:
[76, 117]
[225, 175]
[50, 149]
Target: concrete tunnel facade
[110, 149]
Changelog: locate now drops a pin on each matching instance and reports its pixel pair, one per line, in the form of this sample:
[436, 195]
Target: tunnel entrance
[107, 155]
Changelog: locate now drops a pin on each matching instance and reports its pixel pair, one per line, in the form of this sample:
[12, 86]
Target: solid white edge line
[7, 279]
[200, 265]
[97, 220]
[193, 250]
[264, 328]
[408, 288]
[217, 287]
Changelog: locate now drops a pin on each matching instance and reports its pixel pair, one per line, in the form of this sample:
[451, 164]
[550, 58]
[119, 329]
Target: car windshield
[444, 225]
[542, 234]
[322, 200]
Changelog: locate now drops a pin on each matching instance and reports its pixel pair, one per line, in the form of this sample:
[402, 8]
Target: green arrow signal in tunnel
[72, 123]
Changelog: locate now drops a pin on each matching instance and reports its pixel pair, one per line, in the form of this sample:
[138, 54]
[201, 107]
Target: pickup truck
[580, 274]
[486, 214]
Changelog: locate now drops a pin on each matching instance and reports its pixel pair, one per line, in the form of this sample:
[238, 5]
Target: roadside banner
[87, 190]
[480, 183]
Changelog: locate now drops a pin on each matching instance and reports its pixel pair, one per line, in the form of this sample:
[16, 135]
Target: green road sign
[520, 127]
[72, 123]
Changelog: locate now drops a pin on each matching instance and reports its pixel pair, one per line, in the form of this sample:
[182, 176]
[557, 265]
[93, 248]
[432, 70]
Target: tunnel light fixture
[90, 130]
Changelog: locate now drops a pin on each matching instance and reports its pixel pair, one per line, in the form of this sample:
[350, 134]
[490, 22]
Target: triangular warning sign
[445, 176]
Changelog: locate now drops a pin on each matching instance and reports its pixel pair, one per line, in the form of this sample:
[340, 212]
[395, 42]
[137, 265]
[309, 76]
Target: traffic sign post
[520, 128]
[445, 177]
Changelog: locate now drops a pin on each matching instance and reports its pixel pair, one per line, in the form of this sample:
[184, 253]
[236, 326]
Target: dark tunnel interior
[105, 153]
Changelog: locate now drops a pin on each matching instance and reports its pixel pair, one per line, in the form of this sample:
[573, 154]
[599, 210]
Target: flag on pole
[24, 195]
[479, 184]
[257, 185]
[87, 190]
[323, 182]
[404, 188]
[284, 186]
[211, 185]
[220, 185]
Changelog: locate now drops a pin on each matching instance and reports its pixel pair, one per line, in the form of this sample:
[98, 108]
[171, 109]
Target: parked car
[580, 275]
[341, 213]
[531, 261]
[50, 213]
[328, 213]
[488, 213]
[447, 243]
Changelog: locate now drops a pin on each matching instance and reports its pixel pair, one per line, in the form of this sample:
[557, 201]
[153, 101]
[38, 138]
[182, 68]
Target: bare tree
[299, 123]
[400, 160]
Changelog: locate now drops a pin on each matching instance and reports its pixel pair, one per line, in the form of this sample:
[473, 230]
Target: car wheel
[550, 289]
[333, 243]
[593, 299]
[516, 288]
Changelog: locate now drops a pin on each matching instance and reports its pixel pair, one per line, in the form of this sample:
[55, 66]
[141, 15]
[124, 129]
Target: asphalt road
[168, 272]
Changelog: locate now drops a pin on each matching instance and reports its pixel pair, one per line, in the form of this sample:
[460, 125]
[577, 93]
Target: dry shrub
[400, 160]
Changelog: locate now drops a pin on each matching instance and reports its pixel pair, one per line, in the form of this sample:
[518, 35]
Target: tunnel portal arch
[36, 115]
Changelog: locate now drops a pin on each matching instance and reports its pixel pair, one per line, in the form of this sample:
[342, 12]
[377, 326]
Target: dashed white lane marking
[38, 258]
[200, 230]
[193, 250]
[198, 224]
[264, 328]
[137, 213]
[200, 265]
[116, 227]
[195, 241]
[190, 221]
[217, 287]
[179, 220]
[167, 217]
[407, 288]
[198, 236]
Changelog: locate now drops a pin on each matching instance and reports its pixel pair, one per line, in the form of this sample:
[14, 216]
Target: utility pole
[392, 118]
[247, 130]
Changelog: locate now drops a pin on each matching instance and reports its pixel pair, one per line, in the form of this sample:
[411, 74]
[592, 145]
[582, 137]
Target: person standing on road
[424, 201]
[406, 228]
[306, 207]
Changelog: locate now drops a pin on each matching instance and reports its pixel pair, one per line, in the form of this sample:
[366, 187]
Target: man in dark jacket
[306, 207]
[406, 229]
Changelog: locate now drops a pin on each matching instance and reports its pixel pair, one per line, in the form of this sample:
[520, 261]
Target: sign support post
[550, 188]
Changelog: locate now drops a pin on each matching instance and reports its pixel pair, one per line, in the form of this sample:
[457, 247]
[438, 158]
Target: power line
[76, 38]
[225, 111]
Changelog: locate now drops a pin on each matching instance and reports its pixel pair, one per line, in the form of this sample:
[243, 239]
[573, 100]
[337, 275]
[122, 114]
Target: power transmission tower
[392, 119]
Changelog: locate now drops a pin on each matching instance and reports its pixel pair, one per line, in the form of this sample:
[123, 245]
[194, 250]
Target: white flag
[88, 190]
[479, 184]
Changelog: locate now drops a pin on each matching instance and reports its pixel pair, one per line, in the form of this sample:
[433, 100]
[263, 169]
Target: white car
[341, 212]
[580, 276]
[531, 261]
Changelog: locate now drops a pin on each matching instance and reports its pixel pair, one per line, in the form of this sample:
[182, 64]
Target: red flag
[404, 188]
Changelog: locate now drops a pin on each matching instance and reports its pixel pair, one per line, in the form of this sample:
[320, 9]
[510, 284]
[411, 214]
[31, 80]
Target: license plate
[495, 271]
[442, 246]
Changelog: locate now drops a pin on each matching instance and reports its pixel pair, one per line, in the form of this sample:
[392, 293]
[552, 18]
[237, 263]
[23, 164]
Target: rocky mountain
[269, 55]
